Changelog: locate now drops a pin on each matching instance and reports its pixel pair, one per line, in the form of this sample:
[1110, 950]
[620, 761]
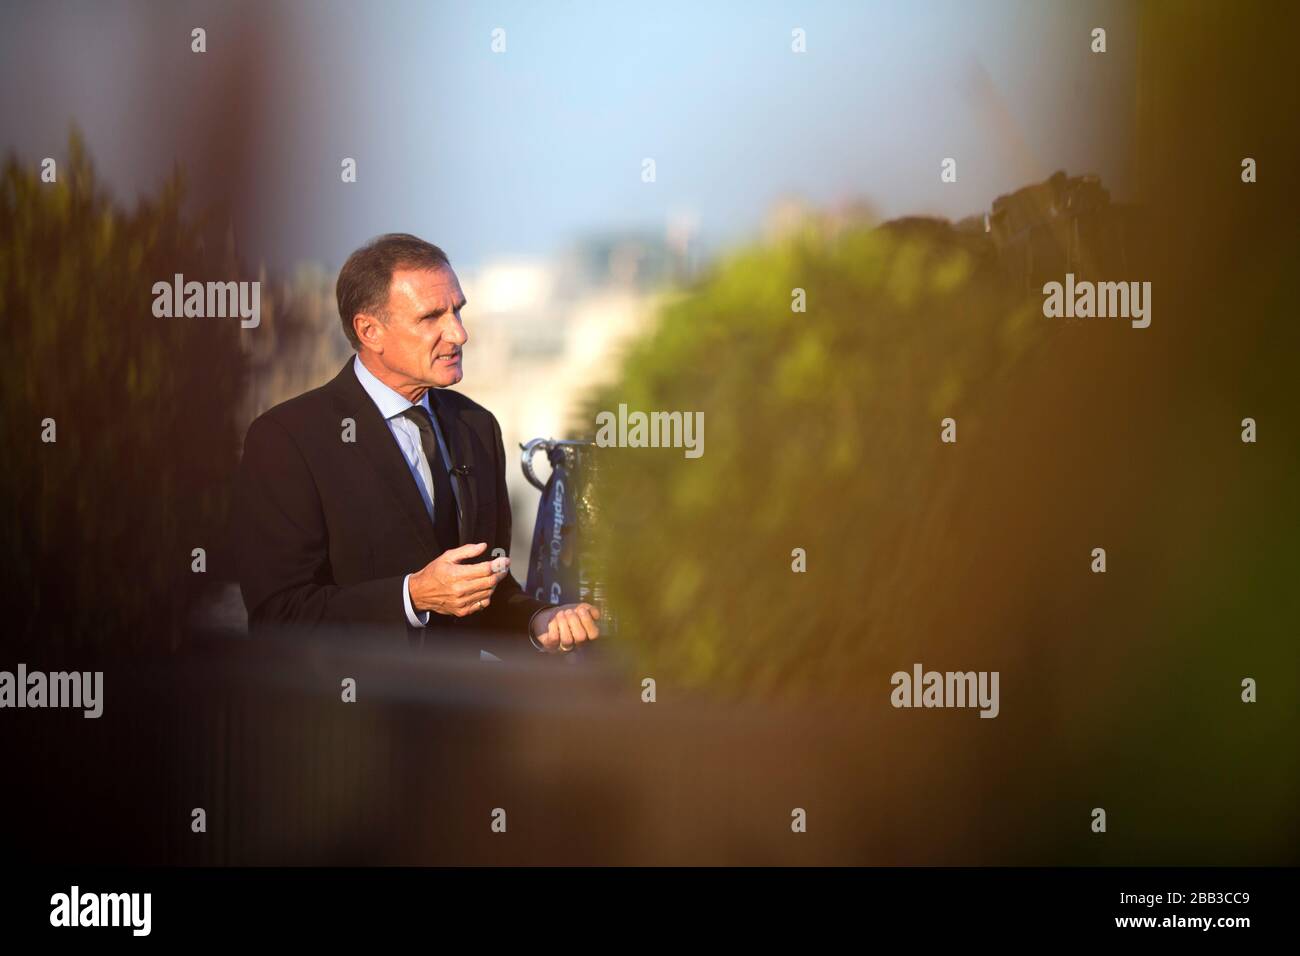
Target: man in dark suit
[379, 499]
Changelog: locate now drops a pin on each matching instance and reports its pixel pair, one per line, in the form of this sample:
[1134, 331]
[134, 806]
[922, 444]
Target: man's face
[422, 340]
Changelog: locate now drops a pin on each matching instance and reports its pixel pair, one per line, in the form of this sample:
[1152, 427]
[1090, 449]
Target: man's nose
[456, 334]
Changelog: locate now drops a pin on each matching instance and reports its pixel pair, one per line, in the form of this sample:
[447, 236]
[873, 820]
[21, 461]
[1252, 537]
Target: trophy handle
[549, 444]
[529, 449]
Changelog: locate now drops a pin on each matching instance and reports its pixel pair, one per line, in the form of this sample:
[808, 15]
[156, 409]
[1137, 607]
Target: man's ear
[369, 331]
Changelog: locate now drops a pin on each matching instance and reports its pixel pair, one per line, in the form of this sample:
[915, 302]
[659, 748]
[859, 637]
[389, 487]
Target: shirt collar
[390, 402]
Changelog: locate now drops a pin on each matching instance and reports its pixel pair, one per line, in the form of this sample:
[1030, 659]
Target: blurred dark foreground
[586, 772]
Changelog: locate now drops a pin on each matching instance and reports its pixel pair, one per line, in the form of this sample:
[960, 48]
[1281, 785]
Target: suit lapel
[456, 433]
[375, 442]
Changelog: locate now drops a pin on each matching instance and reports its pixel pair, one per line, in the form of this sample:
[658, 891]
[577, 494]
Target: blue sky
[521, 152]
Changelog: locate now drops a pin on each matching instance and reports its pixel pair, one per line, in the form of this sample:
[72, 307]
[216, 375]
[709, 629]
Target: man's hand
[561, 629]
[447, 586]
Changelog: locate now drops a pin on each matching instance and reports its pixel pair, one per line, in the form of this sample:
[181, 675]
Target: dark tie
[445, 525]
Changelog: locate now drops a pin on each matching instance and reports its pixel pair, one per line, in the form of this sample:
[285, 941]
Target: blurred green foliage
[821, 432]
[96, 546]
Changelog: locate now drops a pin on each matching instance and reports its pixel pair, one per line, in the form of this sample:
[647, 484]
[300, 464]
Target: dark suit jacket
[325, 530]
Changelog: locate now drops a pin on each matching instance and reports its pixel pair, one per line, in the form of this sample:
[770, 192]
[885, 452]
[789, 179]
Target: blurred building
[544, 332]
[791, 215]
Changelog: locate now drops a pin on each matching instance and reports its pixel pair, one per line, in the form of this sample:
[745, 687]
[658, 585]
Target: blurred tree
[96, 547]
[822, 432]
